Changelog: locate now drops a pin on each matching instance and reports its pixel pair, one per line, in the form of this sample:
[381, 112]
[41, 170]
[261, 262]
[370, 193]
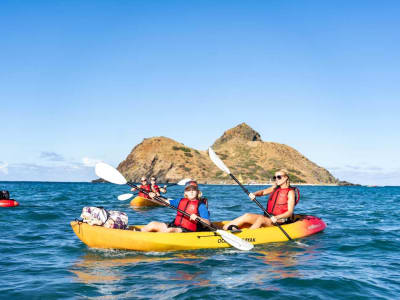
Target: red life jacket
[190, 207]
[146, 187]
[156, 189]
[278, 200]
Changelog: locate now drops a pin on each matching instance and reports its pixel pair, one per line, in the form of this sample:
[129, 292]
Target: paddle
[112, 175]
[218, 162]
[124, 197]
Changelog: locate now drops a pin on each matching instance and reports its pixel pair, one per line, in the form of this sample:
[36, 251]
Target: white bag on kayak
[94, 215]
[116, 220]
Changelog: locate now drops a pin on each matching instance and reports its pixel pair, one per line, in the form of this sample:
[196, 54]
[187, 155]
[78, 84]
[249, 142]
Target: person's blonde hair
[286, 173]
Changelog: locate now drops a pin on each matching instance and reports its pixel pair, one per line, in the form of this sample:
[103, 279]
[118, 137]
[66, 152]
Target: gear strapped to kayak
[106, 218]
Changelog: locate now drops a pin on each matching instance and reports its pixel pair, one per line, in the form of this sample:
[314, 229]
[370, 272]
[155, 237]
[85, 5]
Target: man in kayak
[192, 205]
[280, 204]
[144, 185]
[155, 188]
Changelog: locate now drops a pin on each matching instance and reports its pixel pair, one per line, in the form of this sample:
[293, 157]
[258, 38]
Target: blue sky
[83, 81]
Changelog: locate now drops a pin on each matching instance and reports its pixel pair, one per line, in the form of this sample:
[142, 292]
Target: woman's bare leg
[261, 221]
[244, 219]
[174, 229]
[155, 227]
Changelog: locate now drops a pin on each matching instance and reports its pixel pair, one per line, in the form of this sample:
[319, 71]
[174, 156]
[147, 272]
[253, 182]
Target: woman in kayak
[191, 205]
[280, 204]
[145, 185]
[155, 188]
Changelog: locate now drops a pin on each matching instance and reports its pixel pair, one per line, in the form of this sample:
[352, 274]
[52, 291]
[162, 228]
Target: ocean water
[356, 257]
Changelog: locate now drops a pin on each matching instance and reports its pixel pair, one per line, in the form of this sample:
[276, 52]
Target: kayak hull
[8, 203]
[142, 202]
[106, 238]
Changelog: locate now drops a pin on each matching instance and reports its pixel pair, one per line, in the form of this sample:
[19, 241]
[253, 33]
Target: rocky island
[242, 150]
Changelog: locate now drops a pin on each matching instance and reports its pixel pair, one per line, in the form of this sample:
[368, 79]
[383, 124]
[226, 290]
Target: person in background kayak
[155, 188]
[144, 185]
[192, 205]
[280, 204]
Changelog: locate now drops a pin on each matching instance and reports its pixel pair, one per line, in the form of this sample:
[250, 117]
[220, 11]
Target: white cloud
[53, 168]
[51, 156]
[90, 162]
[34, 172]
[367, 174]
[4, 167]
[363, 168]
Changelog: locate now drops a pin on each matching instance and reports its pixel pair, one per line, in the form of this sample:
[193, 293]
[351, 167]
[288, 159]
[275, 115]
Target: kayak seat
[234, 228]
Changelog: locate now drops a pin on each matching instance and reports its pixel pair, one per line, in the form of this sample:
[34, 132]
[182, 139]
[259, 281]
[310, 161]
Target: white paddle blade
[235, 241]
[109, 173]
[217, 161]
[124, 197]
[184, 181]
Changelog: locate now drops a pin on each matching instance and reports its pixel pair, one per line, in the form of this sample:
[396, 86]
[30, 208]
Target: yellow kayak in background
[142, 202]
[133, 239]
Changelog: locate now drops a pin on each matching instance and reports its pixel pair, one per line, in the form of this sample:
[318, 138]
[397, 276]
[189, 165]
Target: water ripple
[356, 256]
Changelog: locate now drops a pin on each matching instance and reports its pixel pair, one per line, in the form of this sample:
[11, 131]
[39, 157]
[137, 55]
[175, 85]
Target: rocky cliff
[242, 150]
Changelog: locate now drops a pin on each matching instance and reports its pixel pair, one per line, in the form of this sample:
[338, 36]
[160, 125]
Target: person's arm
[172, 202]
[263, 192]
[289, 213]
[194, 217]
[204, 214]
[163, 189]
[155, 190]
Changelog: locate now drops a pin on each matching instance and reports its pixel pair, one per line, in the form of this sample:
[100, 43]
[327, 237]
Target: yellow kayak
[133, 239]
[142, 202]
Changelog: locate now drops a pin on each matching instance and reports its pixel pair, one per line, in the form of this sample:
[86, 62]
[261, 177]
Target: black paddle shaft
[162, 201]
[259, 204]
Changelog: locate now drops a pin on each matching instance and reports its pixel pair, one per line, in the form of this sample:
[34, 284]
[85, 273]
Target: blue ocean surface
[356, 257]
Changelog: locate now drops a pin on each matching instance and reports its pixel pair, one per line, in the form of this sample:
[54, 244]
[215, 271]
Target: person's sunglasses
[279, 177]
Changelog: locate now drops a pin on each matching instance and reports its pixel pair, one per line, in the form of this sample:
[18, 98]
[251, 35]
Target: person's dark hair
[4, 195]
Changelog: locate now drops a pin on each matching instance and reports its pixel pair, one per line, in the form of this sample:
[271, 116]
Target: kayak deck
[133, 239]
[143, 202]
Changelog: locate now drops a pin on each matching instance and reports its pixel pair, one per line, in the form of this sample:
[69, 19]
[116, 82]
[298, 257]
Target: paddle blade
[184, 181]
[235, 241]
[217, 161]
[124, 197]
[109, 173]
